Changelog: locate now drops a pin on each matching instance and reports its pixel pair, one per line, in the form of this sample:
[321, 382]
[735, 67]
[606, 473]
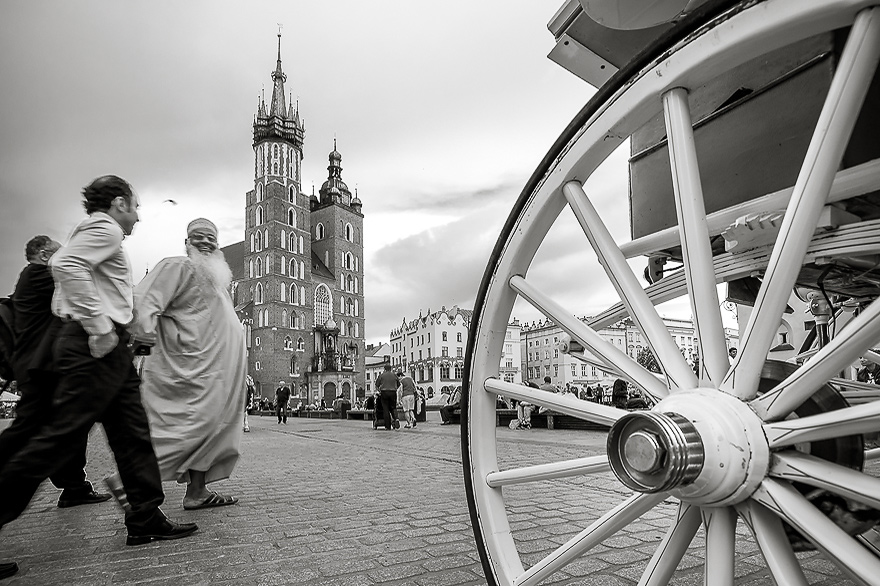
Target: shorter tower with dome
[298, 274]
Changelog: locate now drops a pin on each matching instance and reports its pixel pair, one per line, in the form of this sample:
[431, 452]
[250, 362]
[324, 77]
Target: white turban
[201, 224]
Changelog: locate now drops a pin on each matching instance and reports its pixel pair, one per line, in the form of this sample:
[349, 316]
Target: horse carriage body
[752, 131]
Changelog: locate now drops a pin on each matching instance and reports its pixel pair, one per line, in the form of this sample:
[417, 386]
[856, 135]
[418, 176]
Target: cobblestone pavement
[337, 503]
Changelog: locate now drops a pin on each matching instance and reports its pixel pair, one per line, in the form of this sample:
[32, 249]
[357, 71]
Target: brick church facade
[298, 274]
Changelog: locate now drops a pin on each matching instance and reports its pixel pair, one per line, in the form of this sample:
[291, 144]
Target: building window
[300, 345]
[283, 288]
[258, 295]
[459, 352]
[323, 304]
[293, 295]
[288, 343]
[291, 218]
[257, 365]
[259, 192]
[257, 340]
[458, 337]
[459, 370]
[444, 373]
[444, 336]
[349, 233]
[251, 266]
[291, 195]
[444, 351]
[319, 231]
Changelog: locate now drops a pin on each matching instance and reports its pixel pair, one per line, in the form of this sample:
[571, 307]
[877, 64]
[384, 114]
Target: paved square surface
[329, 502]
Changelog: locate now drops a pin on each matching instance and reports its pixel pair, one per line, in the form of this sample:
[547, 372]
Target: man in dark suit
[282, 395]
[35, 332]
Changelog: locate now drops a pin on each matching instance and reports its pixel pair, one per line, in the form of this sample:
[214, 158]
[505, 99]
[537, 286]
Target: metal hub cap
[653, 452]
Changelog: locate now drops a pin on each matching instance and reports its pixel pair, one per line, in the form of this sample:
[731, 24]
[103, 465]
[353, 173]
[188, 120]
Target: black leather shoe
[164, 529]
[83, 498]
[8, 569]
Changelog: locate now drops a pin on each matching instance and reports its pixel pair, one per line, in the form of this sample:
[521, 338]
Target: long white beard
[212, 270]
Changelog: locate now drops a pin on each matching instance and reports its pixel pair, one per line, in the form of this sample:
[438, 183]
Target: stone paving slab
[336, 503]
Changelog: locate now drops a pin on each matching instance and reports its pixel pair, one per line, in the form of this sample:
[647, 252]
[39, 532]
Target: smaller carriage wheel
[722, 445]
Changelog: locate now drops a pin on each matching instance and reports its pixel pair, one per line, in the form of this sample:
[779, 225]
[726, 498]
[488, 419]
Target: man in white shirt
[98, 381]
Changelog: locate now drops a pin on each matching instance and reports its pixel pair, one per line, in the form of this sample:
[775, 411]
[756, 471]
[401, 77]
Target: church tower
[338, 247]
[277, 255]
[301, 292]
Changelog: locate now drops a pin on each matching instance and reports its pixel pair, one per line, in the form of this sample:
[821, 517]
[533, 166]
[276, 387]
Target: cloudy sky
[441, 111]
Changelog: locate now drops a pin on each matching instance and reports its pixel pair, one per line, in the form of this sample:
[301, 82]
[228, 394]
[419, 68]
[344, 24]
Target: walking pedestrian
[249, 401]
[35, 330]
[282, 396]
[407, 398]
[98, 380]
[194, 378]
[387, 383]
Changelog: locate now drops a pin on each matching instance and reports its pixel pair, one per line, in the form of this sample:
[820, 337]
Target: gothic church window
[251, 269]
[259, 267]
[288, 343]
[275, 168]
[319, 231]
[258, 298]
[283, 288]
[283, 239]
[349, 233]
[300, 344]
[300, 244]
[283, 265]
[356, 335]
[291, 194]
[259, 192]
[291, 217]
[293, 295]
[292, 244]
[259, 215]
[302, 292]
[266, 238]
[323, 304]
[293, 272]
[252, 242]
[293, 366]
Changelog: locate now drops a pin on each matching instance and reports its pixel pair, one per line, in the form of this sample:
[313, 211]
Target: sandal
[215, 500]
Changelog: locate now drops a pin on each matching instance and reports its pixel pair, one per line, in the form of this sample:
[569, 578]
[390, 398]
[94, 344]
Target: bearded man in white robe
[194, 378]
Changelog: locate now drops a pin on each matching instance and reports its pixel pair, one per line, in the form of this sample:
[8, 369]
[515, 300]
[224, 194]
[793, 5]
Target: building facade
[541, 355]
[431, 348]
[299, 284]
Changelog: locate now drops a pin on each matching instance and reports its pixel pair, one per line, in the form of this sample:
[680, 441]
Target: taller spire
[278, 108]
[278, 121]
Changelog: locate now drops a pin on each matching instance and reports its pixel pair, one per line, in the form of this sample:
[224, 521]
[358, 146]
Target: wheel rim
[762, 495]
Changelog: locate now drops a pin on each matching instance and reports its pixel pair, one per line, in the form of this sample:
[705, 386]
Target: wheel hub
[652, 452]
[703, 446]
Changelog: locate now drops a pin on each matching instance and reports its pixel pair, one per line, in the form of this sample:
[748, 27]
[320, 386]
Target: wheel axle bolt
[644, 452]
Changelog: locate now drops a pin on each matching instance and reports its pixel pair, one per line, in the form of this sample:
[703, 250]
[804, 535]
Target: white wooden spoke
[848, 183]
[567, 404]
[846, 482]
[564, 469]
[854, 560]
[673, 547]
[607, 525]
[602, 349]
[720, 524]
[695, 245]
[842, 351]
[854, 420]
[839, 112]
[774, 544]
[640, 308]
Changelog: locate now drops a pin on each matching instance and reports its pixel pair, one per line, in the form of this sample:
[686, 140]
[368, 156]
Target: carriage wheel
[723, 446]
